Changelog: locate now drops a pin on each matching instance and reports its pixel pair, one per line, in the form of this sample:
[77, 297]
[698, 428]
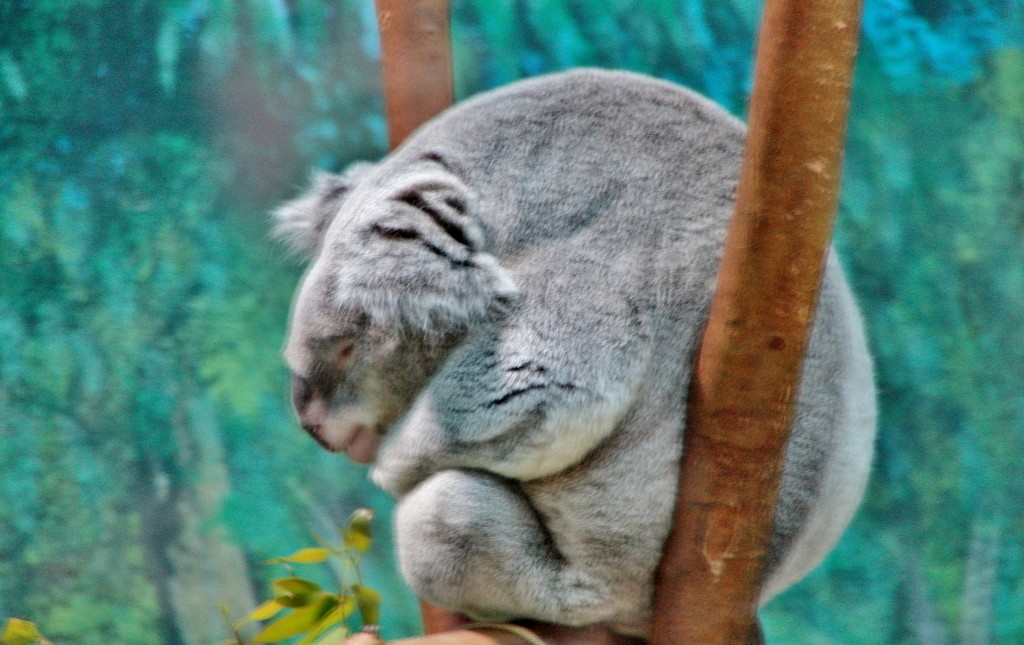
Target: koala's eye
[335, 352]
[343, 351]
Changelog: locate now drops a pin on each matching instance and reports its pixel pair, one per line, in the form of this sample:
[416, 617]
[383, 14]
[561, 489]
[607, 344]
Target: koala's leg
[470, 542]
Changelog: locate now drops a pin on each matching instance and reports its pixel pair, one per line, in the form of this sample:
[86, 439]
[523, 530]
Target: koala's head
[398, 276]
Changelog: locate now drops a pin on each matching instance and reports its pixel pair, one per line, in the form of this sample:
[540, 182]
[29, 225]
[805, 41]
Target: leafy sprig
[300, 607]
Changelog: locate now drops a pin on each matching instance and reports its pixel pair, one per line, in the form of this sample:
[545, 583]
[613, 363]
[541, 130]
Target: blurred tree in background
[149, 461]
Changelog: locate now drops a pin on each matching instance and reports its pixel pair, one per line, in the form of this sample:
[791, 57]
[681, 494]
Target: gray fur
[301, 223]
[527, 279]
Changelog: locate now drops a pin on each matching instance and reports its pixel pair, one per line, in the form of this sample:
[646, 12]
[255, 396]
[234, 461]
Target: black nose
[302, 393]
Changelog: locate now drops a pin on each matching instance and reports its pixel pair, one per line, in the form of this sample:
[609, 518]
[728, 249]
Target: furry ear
[434, 210]
[421, 262]
[301, 222]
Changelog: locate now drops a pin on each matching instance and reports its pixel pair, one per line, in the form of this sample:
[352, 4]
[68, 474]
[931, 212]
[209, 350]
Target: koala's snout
[311, 416]
[352, 429]
[301, 393]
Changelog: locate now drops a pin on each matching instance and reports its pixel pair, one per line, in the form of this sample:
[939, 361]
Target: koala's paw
[397, 479]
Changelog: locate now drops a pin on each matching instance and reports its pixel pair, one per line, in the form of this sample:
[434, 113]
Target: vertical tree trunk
[207, 568]
[926, 625]
[979, 590]
[744, 387]
[416, 54]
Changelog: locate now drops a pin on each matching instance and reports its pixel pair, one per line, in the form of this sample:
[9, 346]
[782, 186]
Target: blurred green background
[149, 461]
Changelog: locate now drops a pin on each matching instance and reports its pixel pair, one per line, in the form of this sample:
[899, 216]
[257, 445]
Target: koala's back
[629, 164]
[606, 196]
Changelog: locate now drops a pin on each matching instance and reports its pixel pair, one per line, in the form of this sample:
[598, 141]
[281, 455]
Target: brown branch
[742, 397]
[416, 56]
[551, 634]
[437, 620]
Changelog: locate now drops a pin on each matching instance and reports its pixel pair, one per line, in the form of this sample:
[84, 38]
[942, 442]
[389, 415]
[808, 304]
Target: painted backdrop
[149, 461]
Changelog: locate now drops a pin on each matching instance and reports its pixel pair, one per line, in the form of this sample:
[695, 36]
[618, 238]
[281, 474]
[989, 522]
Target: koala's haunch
[509, 305]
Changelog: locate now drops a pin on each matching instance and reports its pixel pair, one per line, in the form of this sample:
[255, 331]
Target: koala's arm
[523, 400]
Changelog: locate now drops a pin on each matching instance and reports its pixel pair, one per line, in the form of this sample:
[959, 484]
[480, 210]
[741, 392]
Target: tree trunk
[743, 393]
[417, 58]
[206, 569]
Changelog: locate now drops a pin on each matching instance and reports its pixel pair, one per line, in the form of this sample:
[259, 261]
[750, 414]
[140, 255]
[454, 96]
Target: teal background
[149, 461]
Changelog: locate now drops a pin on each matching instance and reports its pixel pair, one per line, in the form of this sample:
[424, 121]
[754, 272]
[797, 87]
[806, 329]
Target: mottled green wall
[148, 458]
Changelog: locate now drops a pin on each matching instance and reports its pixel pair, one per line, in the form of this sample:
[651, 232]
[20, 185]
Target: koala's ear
[431, 269]
[301, 222]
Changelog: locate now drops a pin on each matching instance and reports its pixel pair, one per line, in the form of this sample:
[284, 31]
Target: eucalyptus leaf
[357, 536]
[333, 637]
[311, 555]
[298, 621]
[265, 611]
[20, 632]
[294, 592]
[336, 615]
[369, 604]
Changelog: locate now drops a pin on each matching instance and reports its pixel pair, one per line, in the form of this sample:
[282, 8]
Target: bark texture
[417, 58]
[743, 393]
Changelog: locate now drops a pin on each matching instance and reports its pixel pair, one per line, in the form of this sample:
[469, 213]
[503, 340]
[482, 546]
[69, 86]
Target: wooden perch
[550, 634]
[745, 381]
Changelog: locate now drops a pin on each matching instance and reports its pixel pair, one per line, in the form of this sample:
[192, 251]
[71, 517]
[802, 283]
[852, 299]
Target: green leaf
[298, 621]
[265, 611]
[294, 592]
[369, 604]
[338, 614]
[304, 556]
[333, 637]
[357, 535]
[20, 632]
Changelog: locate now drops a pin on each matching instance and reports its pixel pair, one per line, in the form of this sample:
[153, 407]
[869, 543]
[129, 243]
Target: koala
[502, 316]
